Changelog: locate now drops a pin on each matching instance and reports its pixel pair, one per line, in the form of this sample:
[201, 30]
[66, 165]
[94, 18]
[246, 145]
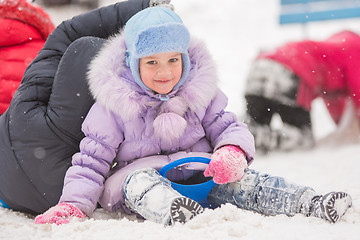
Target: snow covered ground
[323, 169]
[234, 30]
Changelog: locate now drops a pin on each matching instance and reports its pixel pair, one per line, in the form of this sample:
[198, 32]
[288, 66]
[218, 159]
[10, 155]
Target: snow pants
[149, 194]
[262, 193]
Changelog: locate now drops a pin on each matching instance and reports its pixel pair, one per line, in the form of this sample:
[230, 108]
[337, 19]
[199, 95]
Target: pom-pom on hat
[156, 30]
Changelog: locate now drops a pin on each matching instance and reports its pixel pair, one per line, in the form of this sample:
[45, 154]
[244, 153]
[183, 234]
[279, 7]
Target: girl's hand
[227, 164]
[60, 214]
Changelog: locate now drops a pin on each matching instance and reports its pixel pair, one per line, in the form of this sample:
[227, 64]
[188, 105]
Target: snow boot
[184, 209]
[330, 207]
[149, 194]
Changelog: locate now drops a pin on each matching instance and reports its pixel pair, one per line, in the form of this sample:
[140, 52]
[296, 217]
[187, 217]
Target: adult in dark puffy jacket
[23, 34]
[42, 128]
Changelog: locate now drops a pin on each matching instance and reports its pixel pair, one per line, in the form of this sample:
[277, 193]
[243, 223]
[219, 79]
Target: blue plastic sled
[3, 205]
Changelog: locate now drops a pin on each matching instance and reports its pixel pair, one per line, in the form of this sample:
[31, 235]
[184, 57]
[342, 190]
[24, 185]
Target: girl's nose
[163, 71]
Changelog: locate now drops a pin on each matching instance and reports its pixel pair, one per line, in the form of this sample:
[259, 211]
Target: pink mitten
[60, 214]
[227, 165]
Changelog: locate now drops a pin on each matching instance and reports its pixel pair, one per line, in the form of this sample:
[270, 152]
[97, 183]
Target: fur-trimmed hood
[112, 84]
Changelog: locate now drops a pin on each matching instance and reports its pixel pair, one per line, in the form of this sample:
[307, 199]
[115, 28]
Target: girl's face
[161, 72]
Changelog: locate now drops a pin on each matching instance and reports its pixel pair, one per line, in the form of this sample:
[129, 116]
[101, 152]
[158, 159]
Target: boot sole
[184, 209]
[335, 205]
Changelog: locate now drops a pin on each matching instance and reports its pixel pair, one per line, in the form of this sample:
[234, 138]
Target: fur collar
[112, 84]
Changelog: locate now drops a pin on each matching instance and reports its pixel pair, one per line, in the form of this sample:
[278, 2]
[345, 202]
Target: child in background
[157, 101]
[286, 80]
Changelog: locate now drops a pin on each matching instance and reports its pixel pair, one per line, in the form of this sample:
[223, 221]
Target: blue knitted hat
[156, 30]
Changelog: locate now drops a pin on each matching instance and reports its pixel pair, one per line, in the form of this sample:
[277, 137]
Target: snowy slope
[234, 30]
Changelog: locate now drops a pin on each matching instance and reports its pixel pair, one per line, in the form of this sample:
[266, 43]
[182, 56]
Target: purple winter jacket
[132, 128]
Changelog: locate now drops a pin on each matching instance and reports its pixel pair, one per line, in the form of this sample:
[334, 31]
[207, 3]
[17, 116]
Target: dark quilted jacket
[41, 129]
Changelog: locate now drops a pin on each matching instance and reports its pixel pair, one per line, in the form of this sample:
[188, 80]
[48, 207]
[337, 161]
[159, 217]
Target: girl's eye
[151, 62]
[173, 60]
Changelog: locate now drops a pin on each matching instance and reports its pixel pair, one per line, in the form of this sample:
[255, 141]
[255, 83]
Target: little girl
[157, 101]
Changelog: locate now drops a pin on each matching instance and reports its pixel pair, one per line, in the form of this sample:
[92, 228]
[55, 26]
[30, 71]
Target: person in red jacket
[23, 28]
[287, 79]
